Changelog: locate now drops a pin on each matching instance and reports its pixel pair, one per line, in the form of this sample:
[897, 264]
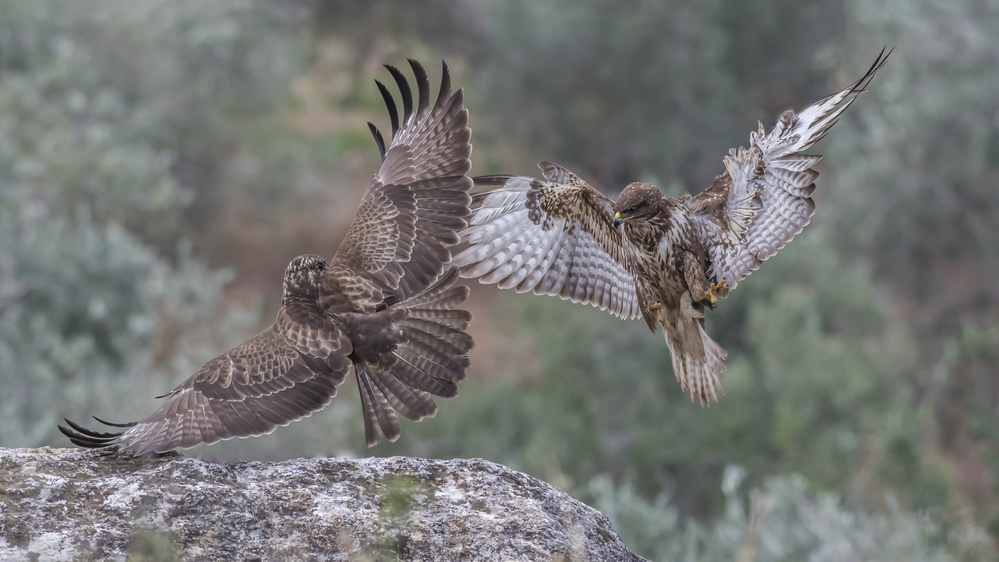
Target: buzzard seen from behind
[662, 258]
[384, 304]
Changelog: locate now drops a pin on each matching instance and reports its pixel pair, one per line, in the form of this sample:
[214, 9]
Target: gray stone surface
[71, 504]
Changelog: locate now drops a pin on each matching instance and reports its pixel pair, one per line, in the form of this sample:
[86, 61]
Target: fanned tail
[698, 360]
[429, 361]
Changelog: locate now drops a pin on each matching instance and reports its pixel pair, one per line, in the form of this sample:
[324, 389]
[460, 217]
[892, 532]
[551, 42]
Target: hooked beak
[617, 220]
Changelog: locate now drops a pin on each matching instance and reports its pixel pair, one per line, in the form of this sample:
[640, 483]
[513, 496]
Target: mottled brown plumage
[385, 304]
[665, 259]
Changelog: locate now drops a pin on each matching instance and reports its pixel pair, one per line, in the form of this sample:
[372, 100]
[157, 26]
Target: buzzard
[662, 258]
[384, 304]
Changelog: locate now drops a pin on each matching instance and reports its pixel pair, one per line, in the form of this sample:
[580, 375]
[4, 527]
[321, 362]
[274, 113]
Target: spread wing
[554, 237]
[274, 378]
[763, 199]
[418, 199]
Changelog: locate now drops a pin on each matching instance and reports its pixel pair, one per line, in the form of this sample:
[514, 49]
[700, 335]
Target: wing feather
[763, 200]
[554, 237]
[417, 199]
[265, 382]
[523, 263]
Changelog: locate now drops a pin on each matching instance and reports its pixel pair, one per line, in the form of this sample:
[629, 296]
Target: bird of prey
[662, 258]
[384, 304]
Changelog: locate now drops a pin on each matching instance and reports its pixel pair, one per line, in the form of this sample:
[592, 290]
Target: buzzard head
[302, 278]
[639, 200]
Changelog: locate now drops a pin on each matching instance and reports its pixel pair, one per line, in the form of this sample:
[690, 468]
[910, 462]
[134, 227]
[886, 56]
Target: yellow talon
[654, 306]
[716, 290]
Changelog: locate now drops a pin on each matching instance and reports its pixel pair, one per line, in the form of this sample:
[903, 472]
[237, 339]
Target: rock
[69, 504]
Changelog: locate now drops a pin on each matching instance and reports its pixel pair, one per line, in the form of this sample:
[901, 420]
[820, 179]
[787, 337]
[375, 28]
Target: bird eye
[631, 210]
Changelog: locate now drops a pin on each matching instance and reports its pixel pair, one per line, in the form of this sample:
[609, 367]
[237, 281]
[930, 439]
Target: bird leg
[702, 290]
[656, 312]
[715, 290]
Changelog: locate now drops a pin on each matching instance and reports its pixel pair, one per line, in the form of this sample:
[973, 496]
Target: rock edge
[62, 504]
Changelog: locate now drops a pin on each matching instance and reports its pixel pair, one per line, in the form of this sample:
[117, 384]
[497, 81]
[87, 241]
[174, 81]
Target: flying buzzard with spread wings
[385, 304]
[665, 259]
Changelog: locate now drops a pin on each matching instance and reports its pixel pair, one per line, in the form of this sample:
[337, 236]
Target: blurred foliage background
[162, 161]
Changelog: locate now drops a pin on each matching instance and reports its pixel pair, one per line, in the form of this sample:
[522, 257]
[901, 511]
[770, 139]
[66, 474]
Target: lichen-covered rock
[70, 504]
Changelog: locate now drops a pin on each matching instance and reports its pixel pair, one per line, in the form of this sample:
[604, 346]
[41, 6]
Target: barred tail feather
[379, 417]
[443, 295]
[698, 360]
[413, 403]
[456, 319]
[434, 355]
[430, 361]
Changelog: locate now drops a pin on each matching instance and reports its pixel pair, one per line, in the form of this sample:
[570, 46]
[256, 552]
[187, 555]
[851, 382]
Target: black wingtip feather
[88, 438]
[423, 83]
[390, 104]
[404, 91]
[860, 86]
[882, 58]
[881, 62]
[445, 92]
[113, 424]
[378, 139]
[89, 432]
